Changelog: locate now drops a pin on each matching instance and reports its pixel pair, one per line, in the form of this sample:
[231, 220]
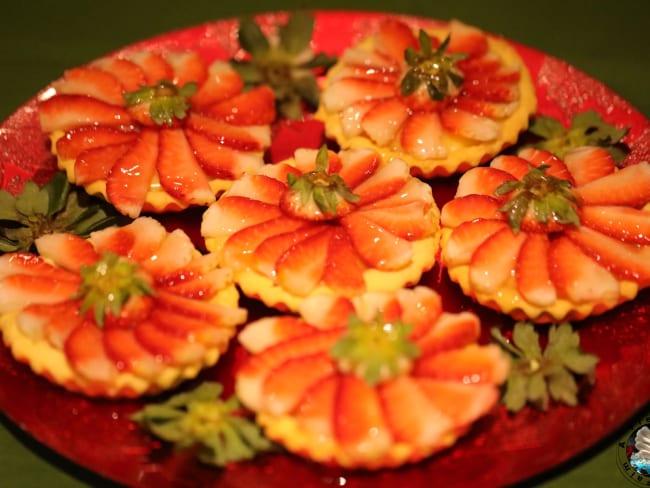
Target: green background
[39, 39]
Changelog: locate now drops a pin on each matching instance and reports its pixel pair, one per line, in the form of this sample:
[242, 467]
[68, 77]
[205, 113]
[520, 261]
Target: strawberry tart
[324, 222]
[443, 100]
[129, 311]
[546, 239]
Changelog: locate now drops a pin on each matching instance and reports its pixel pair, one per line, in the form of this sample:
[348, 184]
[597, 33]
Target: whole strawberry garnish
[318, 194]
[539, 201]
[161, 104]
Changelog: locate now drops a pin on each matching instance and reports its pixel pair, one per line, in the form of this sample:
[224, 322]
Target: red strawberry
[515, 165]
[493, 262]
[414, 190]
[502, 76]
[393, 37]
[578, 277]
[538, 157]
[420, 307]
[623, 223]
[378, 247]
[589, 163]
[450, 331]
[31, 264]
[317, 409]
[305, 160]
[473, 65]
[95, 164]
[344, 271]
[130, 74]
[129, 355]
[629, 186]
[68, 251]
[462, 403]
[200, 286]
[63, 112]
[175, 261]
[482, 180]
[240, 138]
[188, 67]
[153, 65]
[253, 107]
[469, 125]
[421, 134]
[485, 108]
[384, 120]
[222, 83]
[327, 311]
[409, 221]
[470, 207]
[532, 271]
[259, 187]
[357, 165]
[190, 307]
[300, 269]
[344, 92]
[92, 82]
[19, 290]
[193, 329]
[76, 141]
[369, 63]
[272, 330]
[169, 347]
[130, 178]
[387, 180]
[467, 39]
[39, 320]
[467, 237]
[230, 214]
[492, 91]
[85, 352]
[352, 115]
[291, 134]
[139, 241]
[473, 364]
[179, 172]
[286, 383]
[627, 261]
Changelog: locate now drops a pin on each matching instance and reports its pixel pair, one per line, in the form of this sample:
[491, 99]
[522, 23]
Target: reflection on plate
[501, 449]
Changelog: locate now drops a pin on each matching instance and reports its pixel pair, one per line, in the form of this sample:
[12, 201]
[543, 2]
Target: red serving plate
[501, 449]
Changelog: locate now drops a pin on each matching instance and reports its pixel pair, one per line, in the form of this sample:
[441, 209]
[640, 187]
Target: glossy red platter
[502, 449]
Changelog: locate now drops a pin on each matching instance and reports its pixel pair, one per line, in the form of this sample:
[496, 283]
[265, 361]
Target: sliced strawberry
[190, 307]
[420, 307]
[578, 277]
[127, 72]
[515, 165]
[469, 125]
[473, 364]
[31, 264]
[421, 134]
[267, 253]
[154, 66]
[63, 112]
[420, 424]
[19, 290]
[316, 411]
[49, 321]
[467, 39]
[532, 271]
[628, 186]
[378, 247]
[169, 347]
[485, 108]
[129, 355]
[240, 138]
[473, 65]
[219, 161]
[269, 331]
[130, 178]
[493, 262]
[627, 261]
[327, 311]
[95, 164]
[357, 165]
[345, 91]
[259, 187]
[589, 163]
[138, 241]
[466, 238]
[222, 83]
[359, 422]
[188, 67]
[287, 383]
[301, 267]
[290, 135]
[230, 214]
[174, 259]
[387, 180]
[369, 63]
[450, 331]
[538, 157]
[85, 352]
[352, 115]
[624, 223]
[68, 251]
[92, 82]
[470, 207]
[344, 271]
[383, 121]
[482, 180]
[410, 221]
[193, 329]
[239, 249]
[462, 403]
[414, 190]
[75, 141]
[179, 172]
[492, 91]
[253, 107]
[393, 38]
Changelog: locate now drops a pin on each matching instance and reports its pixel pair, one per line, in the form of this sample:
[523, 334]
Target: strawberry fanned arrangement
[352, 363]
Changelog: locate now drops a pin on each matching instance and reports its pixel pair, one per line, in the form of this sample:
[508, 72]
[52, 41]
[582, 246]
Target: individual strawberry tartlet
[129, 311]
[377, 381]
[444, 100]
[324, 222]
[156, 131]
[544, 239]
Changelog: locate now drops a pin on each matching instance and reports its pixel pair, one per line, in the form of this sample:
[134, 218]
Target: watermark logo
[633, 454]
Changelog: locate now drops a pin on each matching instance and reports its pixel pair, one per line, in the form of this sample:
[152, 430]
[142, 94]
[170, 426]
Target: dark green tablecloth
[39, 39]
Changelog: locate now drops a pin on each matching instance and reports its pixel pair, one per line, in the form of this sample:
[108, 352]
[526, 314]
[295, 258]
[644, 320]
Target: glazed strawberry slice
[92, 82]
[130, 74]
[200, 309]
[64, 112]
[21, 289]
[482, 180]
[345, 91]
[467, 39]
[85, 352]
[96, 164]
[407, 221]
[31, 265]
[138, 241]
[126, 352]
[175, 261]
[286, 383]
[351, 116]
[219, 161]
[467, 237]
[318, 408]
[240, 138]
[68, 251]
[344, 271]
[532, 271]
[515, 165]
[196, 286]
[421, 136]
[52, 322]
[451, 331]
[462, 403]
[624, 223]
[539, 157]
[253, 107]
[384, 120]
[393, 38]
[470, 207]
[76, 141]
[420, 308]
[472, 364]
[130, 178]
[222, 83]
[492, 263]
[153, 65]
[188, 67]
[301, 268]
[389, 178]
[179, 172]
[169, 347]
[358, 61]
[589, 163]
[260, 187]
[469, 125]
[481, 107]
[629, 186]
[271, 330]
[413, 191]
[578, 277]
[193, 329]
[232, 213]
